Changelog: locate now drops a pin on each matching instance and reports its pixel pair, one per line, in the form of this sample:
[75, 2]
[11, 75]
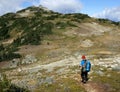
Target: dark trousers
[84, 76]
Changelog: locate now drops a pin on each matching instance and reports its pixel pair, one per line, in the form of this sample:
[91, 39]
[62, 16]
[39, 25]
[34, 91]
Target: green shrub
[71, 24]
[62, 25]
[4, 32]
[7, 53]
[8, 56]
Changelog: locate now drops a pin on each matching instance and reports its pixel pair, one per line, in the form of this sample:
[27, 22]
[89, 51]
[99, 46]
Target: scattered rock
[32, 78]
[49, 80]
[117, 68]
[87, 43]
[99, 72]
[29, 59]
[1, 77]
[14, 63]
[11, 64]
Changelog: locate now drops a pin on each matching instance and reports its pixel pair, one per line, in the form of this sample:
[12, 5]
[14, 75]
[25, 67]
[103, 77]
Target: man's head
[83, 57]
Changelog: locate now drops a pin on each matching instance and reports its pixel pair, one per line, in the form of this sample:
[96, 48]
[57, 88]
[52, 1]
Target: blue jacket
[88, 65]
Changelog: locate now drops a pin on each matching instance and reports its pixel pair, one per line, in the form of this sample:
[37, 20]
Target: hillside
[41, 48]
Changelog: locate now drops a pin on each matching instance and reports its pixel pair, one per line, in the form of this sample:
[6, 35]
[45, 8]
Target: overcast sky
[97, 8]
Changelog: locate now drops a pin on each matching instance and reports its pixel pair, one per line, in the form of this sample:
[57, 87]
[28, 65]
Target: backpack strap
[84, 66]
[85, 63]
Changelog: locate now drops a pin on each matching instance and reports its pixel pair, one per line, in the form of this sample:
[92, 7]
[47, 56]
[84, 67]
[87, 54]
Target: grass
[62, 85]
[110, 77]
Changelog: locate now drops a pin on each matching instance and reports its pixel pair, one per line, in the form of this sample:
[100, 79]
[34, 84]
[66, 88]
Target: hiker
[85, 66]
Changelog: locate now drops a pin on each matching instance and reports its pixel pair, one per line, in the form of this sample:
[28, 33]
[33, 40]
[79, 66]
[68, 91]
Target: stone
[1, 77]
[100, 73]
[117, 68]
[29, 59]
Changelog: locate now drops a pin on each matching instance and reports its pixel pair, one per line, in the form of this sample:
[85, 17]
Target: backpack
[86, 67]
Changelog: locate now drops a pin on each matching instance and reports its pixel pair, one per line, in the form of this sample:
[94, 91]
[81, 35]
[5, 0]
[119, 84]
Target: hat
[83, 57]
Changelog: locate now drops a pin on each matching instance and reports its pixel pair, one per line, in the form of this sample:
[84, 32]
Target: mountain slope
[31, 25]
[43, 48]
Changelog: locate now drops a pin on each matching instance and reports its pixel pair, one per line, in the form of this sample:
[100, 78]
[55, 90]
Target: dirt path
[92, 87]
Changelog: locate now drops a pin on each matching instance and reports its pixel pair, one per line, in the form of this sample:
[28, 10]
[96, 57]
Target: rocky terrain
[33, 76]
[52, 65]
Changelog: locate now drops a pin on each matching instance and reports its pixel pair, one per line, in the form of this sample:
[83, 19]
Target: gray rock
[117, 60]
[1, 77]
[34, 70]
[100, 73]
[117, 68]
[59, 71]
[10, 64]
[14, 63]
[49, 80]
[29, 59]
[66, 89]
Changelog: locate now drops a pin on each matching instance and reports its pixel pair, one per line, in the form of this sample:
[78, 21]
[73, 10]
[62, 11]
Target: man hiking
[85, 66]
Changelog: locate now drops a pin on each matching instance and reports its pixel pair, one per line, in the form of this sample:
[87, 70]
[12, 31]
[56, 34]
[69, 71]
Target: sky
[109, 9]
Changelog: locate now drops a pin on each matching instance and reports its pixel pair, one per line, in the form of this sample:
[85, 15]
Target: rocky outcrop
[28, 59]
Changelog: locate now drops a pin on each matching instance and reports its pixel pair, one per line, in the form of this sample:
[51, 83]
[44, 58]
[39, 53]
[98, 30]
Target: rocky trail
[89, 87]
[95, 87]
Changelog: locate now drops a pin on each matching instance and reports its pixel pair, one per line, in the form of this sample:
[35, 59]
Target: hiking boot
[81, 80]
[84, 81]
[87, 79]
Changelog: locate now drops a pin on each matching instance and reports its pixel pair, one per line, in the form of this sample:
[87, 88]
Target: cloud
[15, 5]
[112, 14]
[9, 5]
[62, 6]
